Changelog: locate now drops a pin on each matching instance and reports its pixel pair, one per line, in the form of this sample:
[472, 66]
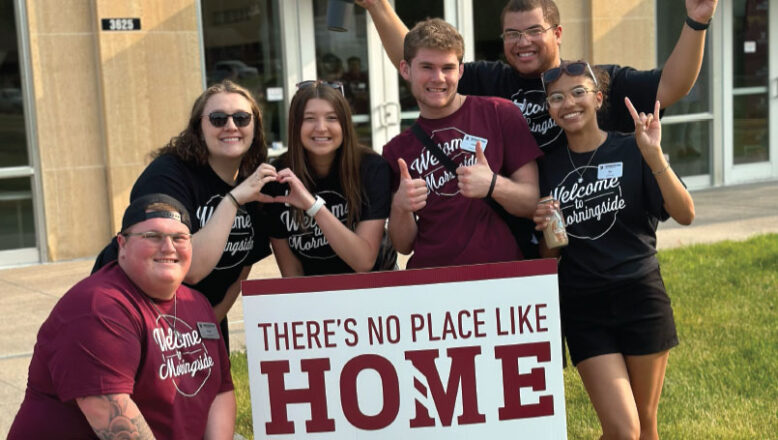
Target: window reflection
[342, 56]
[751, 66]
[13, 138]
[750, 33]
[17, 228]
[669, 29]
[412, 12]
[689, 143]
[242, 40]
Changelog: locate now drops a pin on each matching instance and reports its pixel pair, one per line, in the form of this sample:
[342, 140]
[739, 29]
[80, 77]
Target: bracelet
[491, 185]
[233, 199]
[660, 172]
[317, 204]
[696, 25]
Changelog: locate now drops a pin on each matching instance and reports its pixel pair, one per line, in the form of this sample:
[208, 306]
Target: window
[687, 124]
[242, 41]
[17, 223]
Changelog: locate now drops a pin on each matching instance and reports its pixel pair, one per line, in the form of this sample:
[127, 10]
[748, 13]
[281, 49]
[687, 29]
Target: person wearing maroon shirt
[130, 352]
[438, 215]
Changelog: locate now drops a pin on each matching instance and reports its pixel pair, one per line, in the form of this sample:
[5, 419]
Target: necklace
[581, 173]
[164, 318]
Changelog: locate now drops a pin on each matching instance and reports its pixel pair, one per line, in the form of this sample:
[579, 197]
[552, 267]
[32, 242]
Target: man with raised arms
[532, 35]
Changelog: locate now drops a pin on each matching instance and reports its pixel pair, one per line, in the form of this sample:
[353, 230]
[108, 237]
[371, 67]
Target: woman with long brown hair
[331, 219]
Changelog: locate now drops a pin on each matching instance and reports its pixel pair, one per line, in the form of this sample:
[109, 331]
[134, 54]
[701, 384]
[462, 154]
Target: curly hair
[189, 145]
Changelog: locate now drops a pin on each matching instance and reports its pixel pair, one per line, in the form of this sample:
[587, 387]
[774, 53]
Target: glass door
[687, 126]
[381, 102]
[754, 97]
[411, 12]
[18, 241]
[242, 43]
[343, 57]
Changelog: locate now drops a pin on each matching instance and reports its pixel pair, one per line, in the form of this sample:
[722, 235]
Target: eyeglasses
[557, 98]
[576, 68]
[337, 85]
[157, 238]
[219, 119]
[533, 33]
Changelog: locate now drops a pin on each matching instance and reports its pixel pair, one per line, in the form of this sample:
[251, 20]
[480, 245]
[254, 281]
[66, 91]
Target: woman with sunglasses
[215, 168]
[612, 189]
[331, 219]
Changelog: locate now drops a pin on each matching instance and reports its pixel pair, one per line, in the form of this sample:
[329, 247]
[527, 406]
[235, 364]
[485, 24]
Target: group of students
[323, 205]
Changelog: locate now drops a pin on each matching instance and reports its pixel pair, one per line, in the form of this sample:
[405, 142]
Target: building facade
[89, 87]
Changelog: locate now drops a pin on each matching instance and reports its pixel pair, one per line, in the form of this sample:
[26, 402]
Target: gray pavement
[27, 294]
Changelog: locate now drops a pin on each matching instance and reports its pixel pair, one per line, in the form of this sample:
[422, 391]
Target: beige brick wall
[609, 32]
[104, 100]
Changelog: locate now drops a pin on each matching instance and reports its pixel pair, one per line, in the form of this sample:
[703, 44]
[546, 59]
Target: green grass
[722, 380]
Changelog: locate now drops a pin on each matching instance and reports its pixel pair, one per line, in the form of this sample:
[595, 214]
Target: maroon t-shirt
[106, 337]
[453, 229]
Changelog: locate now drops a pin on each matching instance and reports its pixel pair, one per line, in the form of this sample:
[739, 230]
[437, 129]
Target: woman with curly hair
[216, 168]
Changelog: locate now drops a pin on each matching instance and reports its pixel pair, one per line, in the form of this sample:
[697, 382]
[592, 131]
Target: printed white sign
[275, 94]
[449, 353]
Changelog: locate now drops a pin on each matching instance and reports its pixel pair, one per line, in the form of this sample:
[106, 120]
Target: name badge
[208, 330]
[468, 143]
[610, 170]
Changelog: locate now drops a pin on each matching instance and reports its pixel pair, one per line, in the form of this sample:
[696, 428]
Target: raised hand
[701, 10]
[474, 180]
[648, 135]
[411, 195]
[298, 195]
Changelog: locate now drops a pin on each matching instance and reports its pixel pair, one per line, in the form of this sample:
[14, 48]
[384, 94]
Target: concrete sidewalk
[27, 294]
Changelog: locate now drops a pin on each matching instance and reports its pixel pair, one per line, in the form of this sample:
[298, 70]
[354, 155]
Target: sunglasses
[337, 85]
[219, 119]
[573, 69]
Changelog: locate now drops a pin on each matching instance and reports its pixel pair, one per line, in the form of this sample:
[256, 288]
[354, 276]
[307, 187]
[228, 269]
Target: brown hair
[550, 10]
[348, 157]
[189, 145]
[433, 33]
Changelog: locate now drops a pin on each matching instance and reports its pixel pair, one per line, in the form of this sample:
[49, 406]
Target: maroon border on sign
[396, 278]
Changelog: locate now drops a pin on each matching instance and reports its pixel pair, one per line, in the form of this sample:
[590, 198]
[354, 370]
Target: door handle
[387, 110]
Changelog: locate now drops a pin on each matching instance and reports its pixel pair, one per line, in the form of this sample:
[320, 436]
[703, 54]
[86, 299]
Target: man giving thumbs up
[439, 215]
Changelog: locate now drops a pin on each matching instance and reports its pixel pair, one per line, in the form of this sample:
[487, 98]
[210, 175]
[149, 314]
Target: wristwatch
[315, 207]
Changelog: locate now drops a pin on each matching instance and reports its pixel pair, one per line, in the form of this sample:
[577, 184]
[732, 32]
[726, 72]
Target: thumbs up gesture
[474, 180]
[411, 195]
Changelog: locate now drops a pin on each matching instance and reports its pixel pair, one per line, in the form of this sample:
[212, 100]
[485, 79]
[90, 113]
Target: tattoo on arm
[120, 425]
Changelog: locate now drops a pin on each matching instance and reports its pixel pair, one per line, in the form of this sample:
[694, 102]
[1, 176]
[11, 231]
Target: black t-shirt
[611, 207]
[495, 78]
[201, 190]
[309, 244]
